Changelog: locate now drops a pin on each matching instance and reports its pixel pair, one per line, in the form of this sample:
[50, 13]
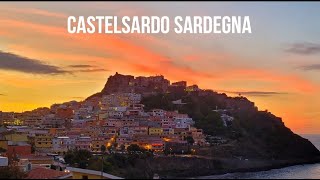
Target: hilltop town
[152, 114]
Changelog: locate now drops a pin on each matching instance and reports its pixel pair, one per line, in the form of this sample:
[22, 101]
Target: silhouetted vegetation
[78, 158]
[11, 172]
[2, 150]
[257, 133]
[200, 108]
[190, 140]
[135, 148]
[122, 165]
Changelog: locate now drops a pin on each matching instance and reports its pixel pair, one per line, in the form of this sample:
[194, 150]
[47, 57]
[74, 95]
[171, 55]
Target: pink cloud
[150, 61]
[34, 11]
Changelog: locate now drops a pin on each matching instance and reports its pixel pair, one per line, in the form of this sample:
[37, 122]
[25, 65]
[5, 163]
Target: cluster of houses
[116, 120]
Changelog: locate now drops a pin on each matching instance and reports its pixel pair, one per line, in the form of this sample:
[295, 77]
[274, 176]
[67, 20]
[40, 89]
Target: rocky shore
[188, 167]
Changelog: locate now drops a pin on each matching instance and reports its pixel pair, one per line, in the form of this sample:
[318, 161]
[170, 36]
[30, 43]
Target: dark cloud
[81, 66]
[186, 68]
[261, 93]
[9, 61]
[256, 93]
[92, 70]
[86, 68]
[304, 48]
[310, 67]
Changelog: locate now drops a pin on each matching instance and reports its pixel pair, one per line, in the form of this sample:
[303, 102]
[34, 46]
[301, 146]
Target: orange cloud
[128, 50]
[33, 11]
[191, 58]
[20, 81]
[283, 80]
[6, 33]
[157, 63]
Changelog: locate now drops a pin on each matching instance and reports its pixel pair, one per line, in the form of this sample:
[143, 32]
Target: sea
[307, 171]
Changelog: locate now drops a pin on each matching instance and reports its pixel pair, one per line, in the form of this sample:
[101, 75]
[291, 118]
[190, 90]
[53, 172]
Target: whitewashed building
[62, 144]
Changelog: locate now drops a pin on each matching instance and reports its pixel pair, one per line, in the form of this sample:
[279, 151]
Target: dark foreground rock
[186, 167]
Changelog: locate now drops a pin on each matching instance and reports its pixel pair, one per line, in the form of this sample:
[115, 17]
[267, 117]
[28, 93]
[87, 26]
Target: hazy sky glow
[277, 66]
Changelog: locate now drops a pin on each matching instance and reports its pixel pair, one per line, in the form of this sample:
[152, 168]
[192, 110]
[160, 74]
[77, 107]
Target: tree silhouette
[190, 140]
[103, 148]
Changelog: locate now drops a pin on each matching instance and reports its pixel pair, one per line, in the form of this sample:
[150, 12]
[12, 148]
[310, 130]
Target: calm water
[294, 172]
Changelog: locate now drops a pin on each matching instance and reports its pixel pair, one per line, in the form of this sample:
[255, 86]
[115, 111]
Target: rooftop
[43, 173]
[36, 157]
[63, 137]
[87, 171]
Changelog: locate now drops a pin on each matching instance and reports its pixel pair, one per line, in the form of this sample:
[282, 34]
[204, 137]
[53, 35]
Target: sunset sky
[277, 66]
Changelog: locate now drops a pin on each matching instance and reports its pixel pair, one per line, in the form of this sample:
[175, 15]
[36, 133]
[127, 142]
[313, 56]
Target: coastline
[210, 167]
[274, 165]
[312, 138]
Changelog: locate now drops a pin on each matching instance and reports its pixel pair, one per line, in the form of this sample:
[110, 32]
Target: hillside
[252, 133]
[253, 141]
